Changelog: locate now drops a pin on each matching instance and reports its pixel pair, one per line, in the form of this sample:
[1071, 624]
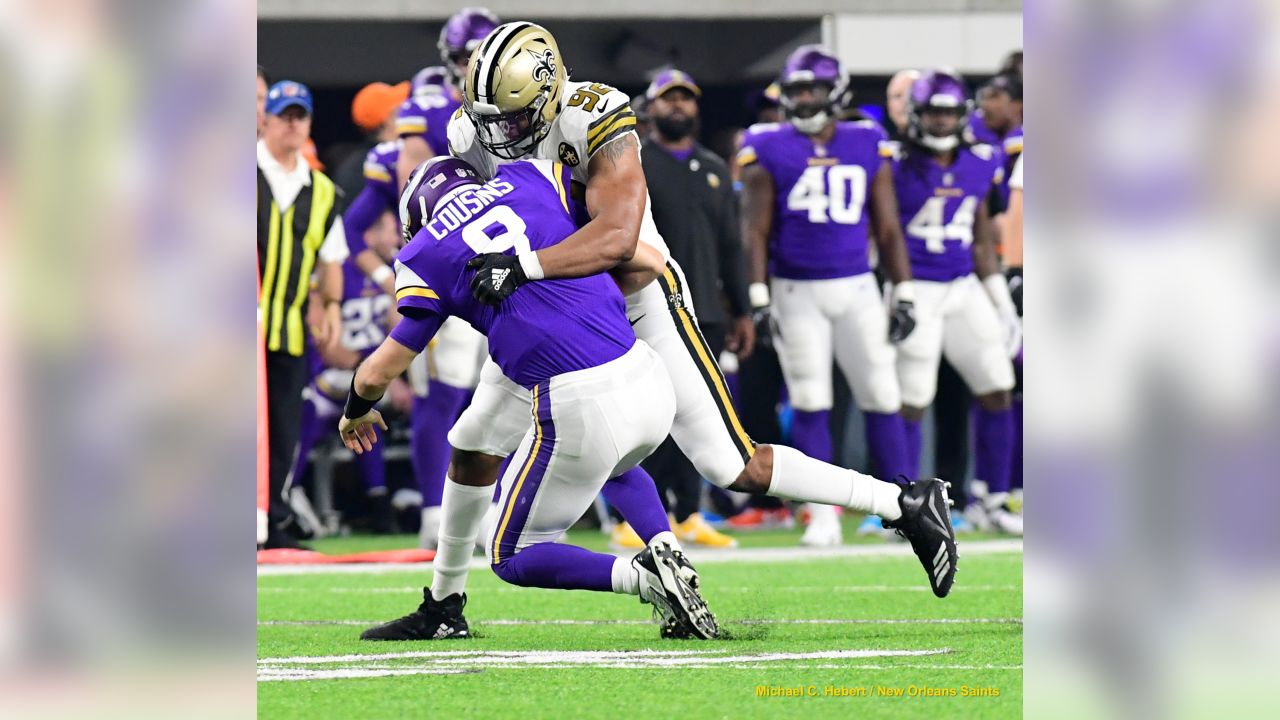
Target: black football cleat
[926, 524]
[433, 620]
[669, 582]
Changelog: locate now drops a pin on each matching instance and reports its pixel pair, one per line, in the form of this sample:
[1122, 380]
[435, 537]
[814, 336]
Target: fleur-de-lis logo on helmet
[545, 69]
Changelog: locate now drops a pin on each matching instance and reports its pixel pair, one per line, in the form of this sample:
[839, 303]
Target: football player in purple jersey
[963, 305]
[601, 399]
[815, 190]
[364, 324]
[998, 123]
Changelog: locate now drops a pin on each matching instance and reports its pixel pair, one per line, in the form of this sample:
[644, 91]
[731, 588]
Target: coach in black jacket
[694, 208]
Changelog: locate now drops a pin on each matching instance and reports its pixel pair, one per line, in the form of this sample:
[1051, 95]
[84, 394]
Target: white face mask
[939, 144]
[811, 125]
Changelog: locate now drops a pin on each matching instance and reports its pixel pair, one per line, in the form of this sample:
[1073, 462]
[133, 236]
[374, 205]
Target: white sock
[626, 579]
[797, 476]
[463, 508]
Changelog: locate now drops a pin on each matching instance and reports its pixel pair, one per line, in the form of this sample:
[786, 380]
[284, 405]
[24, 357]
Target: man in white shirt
[299, 233]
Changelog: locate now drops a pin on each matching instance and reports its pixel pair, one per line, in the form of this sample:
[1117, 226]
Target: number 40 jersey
[819, 217]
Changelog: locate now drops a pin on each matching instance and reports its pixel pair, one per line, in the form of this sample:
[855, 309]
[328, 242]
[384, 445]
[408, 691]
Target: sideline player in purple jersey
[423, 120]
[601, 400]
[998, 123]
[814, 189]
[364, 320]
[942, 184]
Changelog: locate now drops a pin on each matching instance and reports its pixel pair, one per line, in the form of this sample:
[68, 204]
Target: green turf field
[824, 628]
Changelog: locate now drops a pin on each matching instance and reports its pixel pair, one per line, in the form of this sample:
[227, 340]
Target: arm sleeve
[733, 268]
[360, 216]
[415, 331]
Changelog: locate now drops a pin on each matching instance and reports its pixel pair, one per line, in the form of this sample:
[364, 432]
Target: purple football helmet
[460, 35]
[938, 90]
[807, 68]
[429, 81]
[429, 183]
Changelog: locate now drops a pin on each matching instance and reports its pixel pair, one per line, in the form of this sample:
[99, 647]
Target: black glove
[497, 276]
[902, 321]
[764, 327]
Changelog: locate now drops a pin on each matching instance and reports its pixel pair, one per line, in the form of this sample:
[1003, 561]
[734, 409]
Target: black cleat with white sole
[433, 620]
[669, 582]
[926, 524]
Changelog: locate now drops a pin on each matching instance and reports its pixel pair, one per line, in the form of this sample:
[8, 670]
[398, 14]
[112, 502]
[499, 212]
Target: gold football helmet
[512, 88]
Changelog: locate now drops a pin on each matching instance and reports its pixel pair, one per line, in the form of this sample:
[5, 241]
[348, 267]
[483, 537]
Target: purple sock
[635, 496]
[559, 567]
[994, 453]
[433, 416]
[887, 441]
[308, 431]
[372, 466]
[1015, 472]
[811, 434]
[912, 429]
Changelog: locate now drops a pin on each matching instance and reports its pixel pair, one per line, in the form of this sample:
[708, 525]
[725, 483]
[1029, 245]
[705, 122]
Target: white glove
[998, 290]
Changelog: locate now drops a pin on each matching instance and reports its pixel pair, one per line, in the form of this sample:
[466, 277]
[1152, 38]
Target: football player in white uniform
[519, 103]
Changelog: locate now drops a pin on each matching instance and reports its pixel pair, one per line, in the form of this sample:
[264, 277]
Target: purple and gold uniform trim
[534, 468]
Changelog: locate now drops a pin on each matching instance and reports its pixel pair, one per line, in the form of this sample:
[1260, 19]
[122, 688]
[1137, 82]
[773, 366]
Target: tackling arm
[616, 193]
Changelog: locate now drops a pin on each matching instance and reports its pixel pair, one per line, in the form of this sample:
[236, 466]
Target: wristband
[357, 406]
[531, 265]
[382, 274]
[758, 295]
[904, 291]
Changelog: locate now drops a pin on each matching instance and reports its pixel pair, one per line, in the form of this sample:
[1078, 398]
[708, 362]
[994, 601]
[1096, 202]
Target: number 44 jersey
[545, 328]
[820, 220]
[938, 205]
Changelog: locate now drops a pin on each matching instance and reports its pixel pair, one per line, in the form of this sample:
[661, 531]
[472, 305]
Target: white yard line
[593, 657]
[708, 557]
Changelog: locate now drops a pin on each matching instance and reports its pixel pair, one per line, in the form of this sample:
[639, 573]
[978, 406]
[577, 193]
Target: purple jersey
[378, 195]
[938, 206]
[364, 319]
[1008, 147]
[427, 117]
[819, 215]
[545, 328]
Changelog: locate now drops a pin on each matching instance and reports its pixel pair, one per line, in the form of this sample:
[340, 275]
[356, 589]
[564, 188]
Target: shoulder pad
[761, 128]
